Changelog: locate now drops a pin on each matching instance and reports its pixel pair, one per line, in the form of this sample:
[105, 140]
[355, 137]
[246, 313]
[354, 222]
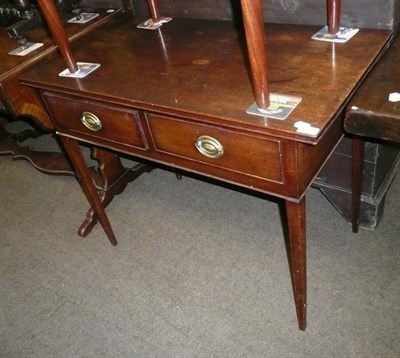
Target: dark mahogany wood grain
[17, 98]
[203, 72]
[296, 213]
[257, 50]
[193, 78]
[153, 9]
[21, 101]
[85, 177]
[333, 13]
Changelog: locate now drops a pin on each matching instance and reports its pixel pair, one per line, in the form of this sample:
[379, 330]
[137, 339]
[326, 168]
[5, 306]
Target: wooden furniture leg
[111, 178]
[57, 30]
[257, 49]
[83, 173]
[356, 180]
[153, 9]
[296, 218]
[333, 11]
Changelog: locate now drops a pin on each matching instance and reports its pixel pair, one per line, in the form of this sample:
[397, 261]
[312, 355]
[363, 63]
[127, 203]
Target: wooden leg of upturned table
[86, 179]
[296, 217]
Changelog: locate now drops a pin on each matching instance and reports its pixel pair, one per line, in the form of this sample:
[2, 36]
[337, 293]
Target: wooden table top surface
[370, 113]
[199, 69]
[11, 64]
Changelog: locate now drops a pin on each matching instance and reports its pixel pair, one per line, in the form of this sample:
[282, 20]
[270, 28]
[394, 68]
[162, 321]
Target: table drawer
[94, 120]
[246, 154]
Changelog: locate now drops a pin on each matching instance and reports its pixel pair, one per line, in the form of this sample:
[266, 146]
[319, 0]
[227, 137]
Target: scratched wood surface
[190, 57]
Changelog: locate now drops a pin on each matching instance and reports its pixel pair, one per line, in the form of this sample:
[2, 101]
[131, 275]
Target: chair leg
[356, 180]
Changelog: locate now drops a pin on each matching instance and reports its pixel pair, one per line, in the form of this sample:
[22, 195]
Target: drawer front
[96, 121]
[236, 152]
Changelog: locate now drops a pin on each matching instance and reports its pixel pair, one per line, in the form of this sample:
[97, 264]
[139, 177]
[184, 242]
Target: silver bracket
[84, 69]
[343, 35]
[26, 48]
[150, 24]
[83, 18]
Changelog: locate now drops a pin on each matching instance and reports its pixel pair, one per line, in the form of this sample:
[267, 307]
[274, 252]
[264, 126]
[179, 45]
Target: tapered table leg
[296, 216]
[85, 177]
[357, 158]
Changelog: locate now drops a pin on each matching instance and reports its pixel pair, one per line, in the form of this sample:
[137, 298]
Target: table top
[199, 69]
[370, 113]
[10, 64]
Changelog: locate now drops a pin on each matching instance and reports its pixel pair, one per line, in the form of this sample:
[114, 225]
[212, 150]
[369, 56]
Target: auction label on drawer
[279, 108]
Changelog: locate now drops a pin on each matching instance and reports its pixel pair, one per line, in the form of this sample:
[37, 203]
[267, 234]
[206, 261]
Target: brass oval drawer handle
[91, 121]
[209, 147]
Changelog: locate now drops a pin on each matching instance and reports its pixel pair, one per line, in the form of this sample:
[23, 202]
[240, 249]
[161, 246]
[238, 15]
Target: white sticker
[306, 128]
[301, 124]
[394, 97]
